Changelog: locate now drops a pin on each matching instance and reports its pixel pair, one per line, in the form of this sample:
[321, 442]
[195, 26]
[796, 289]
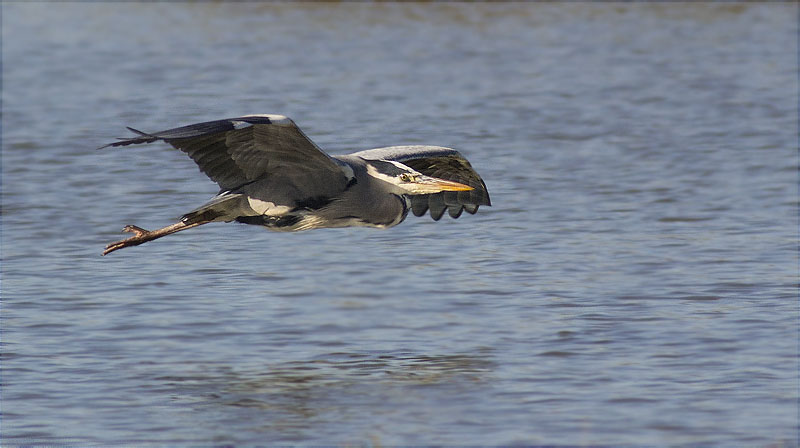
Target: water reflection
[321, 393]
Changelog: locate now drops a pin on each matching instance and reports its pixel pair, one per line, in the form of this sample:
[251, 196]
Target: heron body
[270, 174]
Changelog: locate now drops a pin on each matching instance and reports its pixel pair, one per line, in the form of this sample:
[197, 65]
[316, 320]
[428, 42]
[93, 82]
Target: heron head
[409, 181]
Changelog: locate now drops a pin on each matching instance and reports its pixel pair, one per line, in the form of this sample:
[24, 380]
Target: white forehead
[388, 169]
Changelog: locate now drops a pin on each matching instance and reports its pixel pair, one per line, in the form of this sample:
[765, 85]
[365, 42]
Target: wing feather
[436, 205]
[237, 151]
[419, 205]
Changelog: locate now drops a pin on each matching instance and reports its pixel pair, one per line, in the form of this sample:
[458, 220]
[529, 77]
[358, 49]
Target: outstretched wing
[237, 151]
[443, 163]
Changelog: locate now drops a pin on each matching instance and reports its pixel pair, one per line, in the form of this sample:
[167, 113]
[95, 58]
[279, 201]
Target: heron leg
[141, 235]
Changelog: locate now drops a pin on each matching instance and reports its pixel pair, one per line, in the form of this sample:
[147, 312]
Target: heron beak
[436, 185]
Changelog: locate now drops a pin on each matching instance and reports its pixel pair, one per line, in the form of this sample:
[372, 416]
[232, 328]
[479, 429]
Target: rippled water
[635, 281]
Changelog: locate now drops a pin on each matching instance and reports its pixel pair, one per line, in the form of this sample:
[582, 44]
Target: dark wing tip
[143, 138]
[471, 208]
[485, 195]
[136, 131]
[455, 212]
[200, 129]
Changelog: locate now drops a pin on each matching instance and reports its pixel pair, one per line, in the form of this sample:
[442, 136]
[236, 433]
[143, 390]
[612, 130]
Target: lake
[635, 281]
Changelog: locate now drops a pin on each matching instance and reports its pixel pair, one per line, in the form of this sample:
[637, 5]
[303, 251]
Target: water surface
[634, 283]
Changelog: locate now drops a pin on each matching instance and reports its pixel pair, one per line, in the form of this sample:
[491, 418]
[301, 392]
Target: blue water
[634, 282]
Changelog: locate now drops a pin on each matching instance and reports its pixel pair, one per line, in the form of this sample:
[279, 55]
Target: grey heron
[271, 174]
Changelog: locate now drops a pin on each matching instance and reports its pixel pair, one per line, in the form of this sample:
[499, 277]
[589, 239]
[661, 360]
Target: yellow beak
[438, 185]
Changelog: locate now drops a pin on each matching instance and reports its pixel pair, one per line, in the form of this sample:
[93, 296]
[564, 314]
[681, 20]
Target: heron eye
[406, 177]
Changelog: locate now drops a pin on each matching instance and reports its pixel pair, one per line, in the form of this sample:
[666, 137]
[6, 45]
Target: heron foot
[140, 236]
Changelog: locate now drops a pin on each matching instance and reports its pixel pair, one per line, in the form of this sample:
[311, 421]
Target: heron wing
[236, 151]
[443, 163]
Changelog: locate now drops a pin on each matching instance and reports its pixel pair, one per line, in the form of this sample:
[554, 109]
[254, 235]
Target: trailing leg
[224, 207]
[141, 235]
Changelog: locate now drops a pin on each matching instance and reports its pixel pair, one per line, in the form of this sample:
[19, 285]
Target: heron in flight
[270, 174]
